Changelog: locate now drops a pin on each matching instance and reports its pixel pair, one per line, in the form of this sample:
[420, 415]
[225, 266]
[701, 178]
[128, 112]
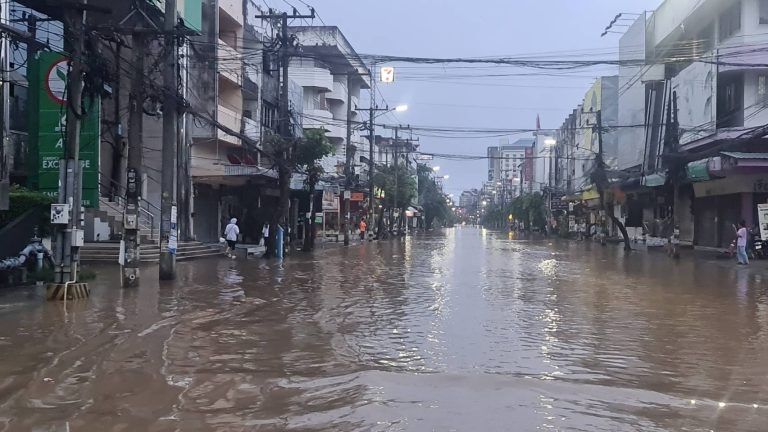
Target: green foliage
[23, 200]
[529, 209]
[432, 199]
[406, 186]
[313, 148]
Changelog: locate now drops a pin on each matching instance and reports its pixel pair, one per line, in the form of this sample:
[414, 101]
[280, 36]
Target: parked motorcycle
[759, 246]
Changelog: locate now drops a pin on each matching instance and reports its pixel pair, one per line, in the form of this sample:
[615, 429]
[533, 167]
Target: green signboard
[190, 11]
[48, 118]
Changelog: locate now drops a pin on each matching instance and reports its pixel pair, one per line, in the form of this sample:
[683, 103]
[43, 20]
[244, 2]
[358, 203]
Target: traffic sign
[387, 74]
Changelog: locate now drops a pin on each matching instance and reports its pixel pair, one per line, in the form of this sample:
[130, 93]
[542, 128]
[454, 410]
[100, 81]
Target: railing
[117, 193]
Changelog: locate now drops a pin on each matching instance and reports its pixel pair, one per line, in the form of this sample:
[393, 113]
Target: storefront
[720, 204]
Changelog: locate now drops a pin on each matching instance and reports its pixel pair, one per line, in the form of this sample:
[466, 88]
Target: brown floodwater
[460, 330]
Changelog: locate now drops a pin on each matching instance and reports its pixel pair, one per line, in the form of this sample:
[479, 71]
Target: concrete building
[328, 85]
[469, 199]
[716, 99]
[512, 165]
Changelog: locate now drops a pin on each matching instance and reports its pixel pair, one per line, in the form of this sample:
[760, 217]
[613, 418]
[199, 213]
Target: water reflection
[462, 330]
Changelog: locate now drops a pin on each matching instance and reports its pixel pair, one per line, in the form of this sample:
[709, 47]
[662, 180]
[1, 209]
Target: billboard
[47, 134]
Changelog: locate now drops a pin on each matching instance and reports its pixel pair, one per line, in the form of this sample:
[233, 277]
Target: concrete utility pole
[5, 170]
[348, 169]
[396, 157]
[168, 229]
[284, 114]
[66, 251]
[131, 234]
[371, 159]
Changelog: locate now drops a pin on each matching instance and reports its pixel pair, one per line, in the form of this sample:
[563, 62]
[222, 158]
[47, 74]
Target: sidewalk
[703, 255]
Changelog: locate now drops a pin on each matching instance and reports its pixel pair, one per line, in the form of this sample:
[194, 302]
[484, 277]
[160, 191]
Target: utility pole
[397, 156]
[4, 108]
[168, 228]
[348, 170]
[132, 259]
[371, 161]
[284, 173]
[70, 170]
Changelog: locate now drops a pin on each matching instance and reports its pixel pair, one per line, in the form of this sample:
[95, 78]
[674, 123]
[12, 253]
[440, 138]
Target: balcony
[232, 10]
[317, 118]
[339, 92]
[251, 129]
[312, 76]
[230, 64]
[231, 120]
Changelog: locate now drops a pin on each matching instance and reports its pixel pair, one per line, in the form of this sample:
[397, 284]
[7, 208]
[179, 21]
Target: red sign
[357, 196]
[528, 165]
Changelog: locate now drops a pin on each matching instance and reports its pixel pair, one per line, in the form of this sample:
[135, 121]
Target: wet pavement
[461, 330]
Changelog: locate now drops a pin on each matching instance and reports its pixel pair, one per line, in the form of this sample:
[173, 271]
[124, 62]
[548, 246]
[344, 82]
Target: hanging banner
[47, 129]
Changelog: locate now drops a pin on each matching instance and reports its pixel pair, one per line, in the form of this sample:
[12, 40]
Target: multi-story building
[512, 165]
[469, 199]
[331, 75]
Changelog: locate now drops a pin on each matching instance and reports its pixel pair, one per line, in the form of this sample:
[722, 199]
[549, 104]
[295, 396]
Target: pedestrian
[231, 232]
[264, 234]
[741, 243]
[363, 227]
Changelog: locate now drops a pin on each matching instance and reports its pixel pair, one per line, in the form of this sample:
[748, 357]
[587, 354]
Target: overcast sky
[451, 28]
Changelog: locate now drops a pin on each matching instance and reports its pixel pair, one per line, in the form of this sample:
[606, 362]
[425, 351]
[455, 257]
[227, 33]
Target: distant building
[511, 164]
[469, 199]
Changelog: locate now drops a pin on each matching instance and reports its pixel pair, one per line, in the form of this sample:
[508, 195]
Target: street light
[401, 108]
[436, 169]
[550, 142]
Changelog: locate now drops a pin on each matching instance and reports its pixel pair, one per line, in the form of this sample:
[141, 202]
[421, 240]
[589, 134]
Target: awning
[590, 194]
[654, 180]
[745, 155]
[698, 171]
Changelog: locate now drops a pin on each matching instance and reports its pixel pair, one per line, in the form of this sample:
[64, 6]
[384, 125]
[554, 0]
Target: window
[730, 21]
[762, 92]
[269, 116]
[763, 13]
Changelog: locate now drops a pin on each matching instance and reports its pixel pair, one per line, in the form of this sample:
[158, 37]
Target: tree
[395, 183]
[313, 148]
[432, 199]
[282, 152]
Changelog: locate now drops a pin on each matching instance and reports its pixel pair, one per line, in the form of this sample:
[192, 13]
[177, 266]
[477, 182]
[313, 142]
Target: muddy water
[463, 330]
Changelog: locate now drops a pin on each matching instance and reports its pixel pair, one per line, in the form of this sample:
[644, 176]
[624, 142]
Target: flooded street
[463, 330]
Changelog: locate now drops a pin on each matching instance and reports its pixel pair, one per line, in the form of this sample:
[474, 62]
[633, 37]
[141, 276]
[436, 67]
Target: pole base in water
[130, 277]
[75, 291]
[167, 265]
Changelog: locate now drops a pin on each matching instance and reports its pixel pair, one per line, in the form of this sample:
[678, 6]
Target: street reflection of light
[721, 404]
[755, 406]
[693, 401]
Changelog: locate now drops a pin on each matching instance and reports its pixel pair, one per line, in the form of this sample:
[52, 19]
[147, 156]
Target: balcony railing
[230, 63]
[231, 120]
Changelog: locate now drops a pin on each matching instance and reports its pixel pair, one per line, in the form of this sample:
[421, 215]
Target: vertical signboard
[762, 218]
[47, 135]
[528, 165]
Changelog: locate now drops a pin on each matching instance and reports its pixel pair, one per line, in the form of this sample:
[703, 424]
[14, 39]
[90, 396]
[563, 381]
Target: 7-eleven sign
[387, 74]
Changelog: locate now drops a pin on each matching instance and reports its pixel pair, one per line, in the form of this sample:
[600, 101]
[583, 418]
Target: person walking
[741, 243]
[264, 234]
[363, 227]
[231, 233]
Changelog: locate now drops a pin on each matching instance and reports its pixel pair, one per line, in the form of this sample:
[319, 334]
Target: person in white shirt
[741, 243]
[264, 234]
[231, 233]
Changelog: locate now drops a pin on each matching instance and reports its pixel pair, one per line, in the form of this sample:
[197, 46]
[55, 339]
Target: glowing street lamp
[401, 108]
[436, 169]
